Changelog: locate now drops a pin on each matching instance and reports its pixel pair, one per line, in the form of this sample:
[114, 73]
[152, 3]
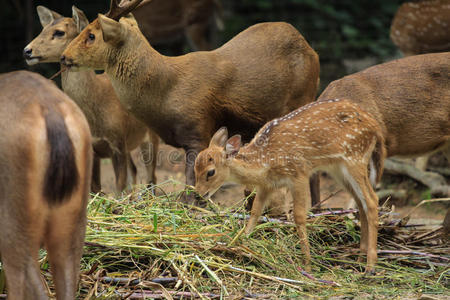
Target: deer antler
[118, 10]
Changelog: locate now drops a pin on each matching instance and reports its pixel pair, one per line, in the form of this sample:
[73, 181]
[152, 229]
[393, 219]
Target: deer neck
[137, 71]
[246, 168]
[79, 85]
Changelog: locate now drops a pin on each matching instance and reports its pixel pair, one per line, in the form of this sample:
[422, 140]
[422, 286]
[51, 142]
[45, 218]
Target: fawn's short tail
[62, 176]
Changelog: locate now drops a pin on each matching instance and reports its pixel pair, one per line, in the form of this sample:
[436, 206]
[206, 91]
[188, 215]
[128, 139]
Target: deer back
[319, 134]
[409, 98]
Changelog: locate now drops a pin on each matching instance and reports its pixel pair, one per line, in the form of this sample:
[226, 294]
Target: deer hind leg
[23, 277]
[357, 181]
[120, 165]
[133, 169]
[301, 196]
[64, 242]
[262, 196]
[19, 248]
[96, 185]
[149, 152]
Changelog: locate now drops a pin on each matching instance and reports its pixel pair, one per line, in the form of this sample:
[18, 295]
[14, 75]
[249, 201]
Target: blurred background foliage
[348, 35]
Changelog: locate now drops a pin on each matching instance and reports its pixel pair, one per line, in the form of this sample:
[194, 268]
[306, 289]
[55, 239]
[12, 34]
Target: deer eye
[210, 173]
[58, 33]
[91, 36]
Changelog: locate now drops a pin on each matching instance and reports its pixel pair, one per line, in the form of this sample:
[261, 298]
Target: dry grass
[155, 247]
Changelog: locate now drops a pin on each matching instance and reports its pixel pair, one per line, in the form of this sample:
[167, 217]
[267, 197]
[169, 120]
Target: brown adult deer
[409, 98]
[163, 21]
[335, 136]
[116, 132]
[264, 72]
[422, 27]
[45, 162]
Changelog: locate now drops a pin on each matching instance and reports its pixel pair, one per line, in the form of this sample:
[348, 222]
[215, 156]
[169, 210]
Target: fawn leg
[366, 198]
[262, 195]
[300, 194]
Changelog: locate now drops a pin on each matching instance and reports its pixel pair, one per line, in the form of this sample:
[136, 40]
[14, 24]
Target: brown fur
[422, 27]
[115, 131]
[30, 216]
[409, 98]
[335, 136]
[264, 72]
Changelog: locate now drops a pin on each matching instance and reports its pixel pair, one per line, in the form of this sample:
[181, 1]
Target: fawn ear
[46, 16]
[219, 138]
[80, 18]
[233, 145]
[113, 31]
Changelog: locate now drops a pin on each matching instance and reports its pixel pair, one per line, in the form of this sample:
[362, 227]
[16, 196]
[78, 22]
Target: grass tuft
[152, 246]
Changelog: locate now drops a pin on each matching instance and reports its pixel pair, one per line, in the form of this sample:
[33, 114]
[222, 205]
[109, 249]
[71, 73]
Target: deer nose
[27, 53]
[66, 61]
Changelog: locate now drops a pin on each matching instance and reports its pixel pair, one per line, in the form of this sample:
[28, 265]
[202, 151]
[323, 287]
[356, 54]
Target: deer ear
[233, 145]
[219, 138]
[46, 16]
[113, 31]
[80, 18]
[130, 19]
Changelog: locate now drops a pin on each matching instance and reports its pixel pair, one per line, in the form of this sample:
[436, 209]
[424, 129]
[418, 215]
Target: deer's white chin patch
[32, 61]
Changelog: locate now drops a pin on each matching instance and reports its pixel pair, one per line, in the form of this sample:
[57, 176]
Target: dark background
[348, 35]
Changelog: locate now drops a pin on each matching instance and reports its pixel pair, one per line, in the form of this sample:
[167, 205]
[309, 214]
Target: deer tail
[61, 178]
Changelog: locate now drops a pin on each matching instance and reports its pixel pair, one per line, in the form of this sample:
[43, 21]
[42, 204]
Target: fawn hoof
[370, 271]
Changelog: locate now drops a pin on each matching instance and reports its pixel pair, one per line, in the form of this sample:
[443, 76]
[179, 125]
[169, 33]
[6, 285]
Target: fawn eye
[58, 33]
[91, 37]
[210, 159]
[210, 173]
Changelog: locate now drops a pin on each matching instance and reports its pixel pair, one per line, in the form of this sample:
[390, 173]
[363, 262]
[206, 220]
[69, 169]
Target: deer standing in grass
[334, 136]
[45, 167]
[264, 72]
[422, 27]
[409, 98]
[116, 132]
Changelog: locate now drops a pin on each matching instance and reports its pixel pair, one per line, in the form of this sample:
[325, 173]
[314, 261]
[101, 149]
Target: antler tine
[119, 10]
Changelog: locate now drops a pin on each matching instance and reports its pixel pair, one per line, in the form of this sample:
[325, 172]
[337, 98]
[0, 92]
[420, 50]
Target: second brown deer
[115, 131]
[334, 136]
[264, 72]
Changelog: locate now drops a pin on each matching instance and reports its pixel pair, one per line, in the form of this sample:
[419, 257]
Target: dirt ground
[170, 166]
